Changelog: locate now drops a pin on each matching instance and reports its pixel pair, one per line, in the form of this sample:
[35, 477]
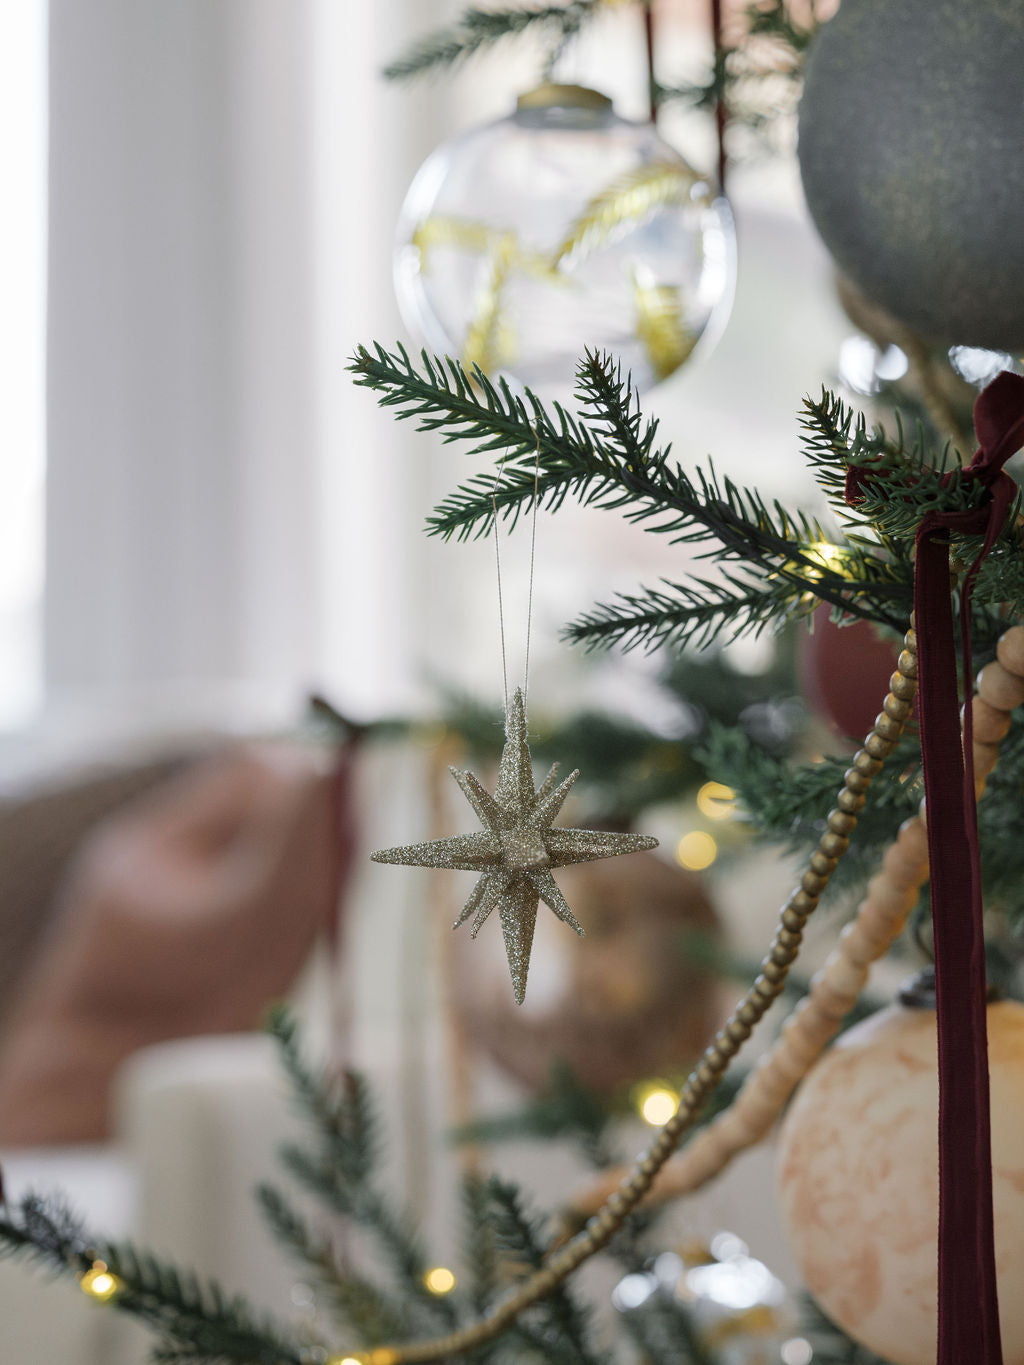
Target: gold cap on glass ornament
[550, 95]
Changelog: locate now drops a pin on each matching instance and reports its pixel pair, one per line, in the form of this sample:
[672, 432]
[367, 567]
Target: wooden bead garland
[881, 917]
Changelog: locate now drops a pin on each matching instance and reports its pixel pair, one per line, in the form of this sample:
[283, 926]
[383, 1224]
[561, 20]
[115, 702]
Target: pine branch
[479, 29]
[361, 1306]
[787, 803]
[340, 1168]
[366, 1207]
[559, 1326]
[664, 1331]
[565, 1110]
[693, 614]
[480, 1249]
[900, 480]
[342, 1114]
[197, 1321]
[759, 78]
[607, 458]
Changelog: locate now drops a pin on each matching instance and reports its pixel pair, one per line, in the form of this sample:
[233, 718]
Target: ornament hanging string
[497, 567]
[533, 562]
[968, 1307]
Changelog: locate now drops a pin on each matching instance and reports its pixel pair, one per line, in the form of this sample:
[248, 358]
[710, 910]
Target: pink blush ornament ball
[858, 1180]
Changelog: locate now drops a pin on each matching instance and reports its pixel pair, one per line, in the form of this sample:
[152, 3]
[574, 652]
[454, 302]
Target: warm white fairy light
[716, 801]
[439, 1280]
[657, 1104]
[696, 850]
[99, 1283]
[832, 558]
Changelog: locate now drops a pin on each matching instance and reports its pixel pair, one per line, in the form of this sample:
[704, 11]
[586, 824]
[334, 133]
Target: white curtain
[219, 174]
[229, 520]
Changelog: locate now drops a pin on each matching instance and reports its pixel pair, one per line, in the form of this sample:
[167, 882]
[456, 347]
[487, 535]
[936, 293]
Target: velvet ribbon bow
[968, 1328]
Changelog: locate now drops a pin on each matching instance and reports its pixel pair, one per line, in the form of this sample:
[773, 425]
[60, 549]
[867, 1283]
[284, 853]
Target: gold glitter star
[517, 848]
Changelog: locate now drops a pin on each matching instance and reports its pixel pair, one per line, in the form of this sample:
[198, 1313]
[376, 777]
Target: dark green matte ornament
[912, 159]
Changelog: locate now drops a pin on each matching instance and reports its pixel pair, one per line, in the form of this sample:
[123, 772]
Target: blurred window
[22, 342]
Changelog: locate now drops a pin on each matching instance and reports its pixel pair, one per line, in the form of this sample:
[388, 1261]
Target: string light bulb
[439, 1280]
[99, 1283]
[657, 1104]
[696, 850]
[381, 1355]
[716, 801]
[832, 558]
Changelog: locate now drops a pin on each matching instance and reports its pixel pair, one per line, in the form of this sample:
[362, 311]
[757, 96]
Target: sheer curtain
[228, 519]
[221, 532]
[22, 291]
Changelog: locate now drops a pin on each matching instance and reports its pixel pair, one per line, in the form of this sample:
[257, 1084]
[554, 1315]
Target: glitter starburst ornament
[518, 847]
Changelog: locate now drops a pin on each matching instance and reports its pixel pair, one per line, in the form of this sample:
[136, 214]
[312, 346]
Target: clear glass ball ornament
[557, 228]
[736, 1307]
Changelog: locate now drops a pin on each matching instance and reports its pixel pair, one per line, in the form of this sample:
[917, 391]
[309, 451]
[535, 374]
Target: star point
[517, 848]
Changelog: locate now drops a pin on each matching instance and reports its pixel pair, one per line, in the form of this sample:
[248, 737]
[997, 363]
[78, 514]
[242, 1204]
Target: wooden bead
[851, 802]
[767, 988]
[794, 919]
[897, 709]
[902, 868]
[866, 763]
[814, 1027]
[826, 1001]
[890, 898]
[1000, 688]
[841, 822]
[788, 1069]
[760, 1117]
[702, 1164]
[986, 756]
[805, 1049]
[706, 1075]
[877, 920]
[907, 664]
[1010, 651]
[886, 728]
[731, 1137]
[832, 844]
[769, 1081]
[855, 945]
[904, 688]
[781, 958]
[912, 837]
[869, 939]
[856, 781]
[843, 977]
[990, 724]
[822, 865]
[801, 901]
[877, 745]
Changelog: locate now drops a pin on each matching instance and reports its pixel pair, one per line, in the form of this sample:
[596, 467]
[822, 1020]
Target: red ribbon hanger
[968, 1328]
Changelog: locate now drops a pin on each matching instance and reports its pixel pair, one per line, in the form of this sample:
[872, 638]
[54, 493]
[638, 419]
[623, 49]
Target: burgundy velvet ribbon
[968, 1329]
